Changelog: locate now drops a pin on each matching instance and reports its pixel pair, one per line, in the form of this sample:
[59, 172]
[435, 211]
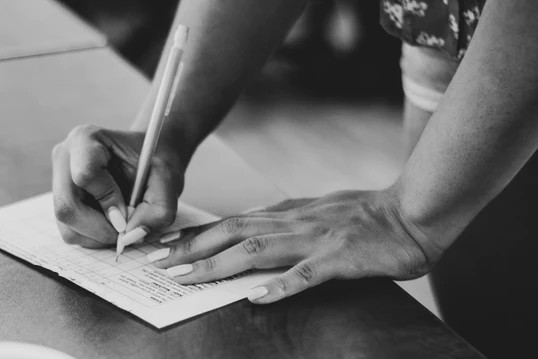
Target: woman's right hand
[93, 174]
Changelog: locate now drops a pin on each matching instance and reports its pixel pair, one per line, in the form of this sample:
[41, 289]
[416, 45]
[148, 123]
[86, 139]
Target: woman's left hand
[349, 234]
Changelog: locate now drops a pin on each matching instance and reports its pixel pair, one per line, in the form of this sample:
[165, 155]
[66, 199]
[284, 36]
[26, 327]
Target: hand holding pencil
[95, 169]
[161, 109]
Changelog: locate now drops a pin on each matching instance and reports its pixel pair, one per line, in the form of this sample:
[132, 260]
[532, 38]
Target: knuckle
[163, 216]
[320, 230]
[209, 264]
[305, 272]
[186, 246]
[64, 212]
[108, 193]
[82, 176]
[255, 245]
[85, 171]
[233, 225]
[281, 285]
[87, 130]
[57, 150]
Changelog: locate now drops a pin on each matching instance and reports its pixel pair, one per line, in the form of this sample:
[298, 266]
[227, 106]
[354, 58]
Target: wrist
[430, 239]
[432, 225]
[182, 136]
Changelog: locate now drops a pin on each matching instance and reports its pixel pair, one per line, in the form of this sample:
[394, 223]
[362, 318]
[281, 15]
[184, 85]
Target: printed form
[28, 230]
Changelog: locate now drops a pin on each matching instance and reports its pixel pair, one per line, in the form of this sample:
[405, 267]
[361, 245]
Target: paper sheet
[28, 230]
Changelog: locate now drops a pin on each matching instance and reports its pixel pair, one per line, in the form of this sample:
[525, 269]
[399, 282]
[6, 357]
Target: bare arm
[482, 134]
[229, 41]
[480, 137]
[485, 129]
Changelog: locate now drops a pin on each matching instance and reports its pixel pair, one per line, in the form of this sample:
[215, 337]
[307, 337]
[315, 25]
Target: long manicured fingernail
[134, 236]
[117, 219]
[179, 270]
[170, 237]
[257, 293]
[158, 254]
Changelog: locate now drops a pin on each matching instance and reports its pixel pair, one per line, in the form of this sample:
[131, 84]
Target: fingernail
[158, 254]
[257, 293]
[170, 237]
[179, 270]
[117, 219]
[134, 236]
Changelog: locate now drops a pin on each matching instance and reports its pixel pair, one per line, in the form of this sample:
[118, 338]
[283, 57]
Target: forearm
[229, 41]
[484, 131]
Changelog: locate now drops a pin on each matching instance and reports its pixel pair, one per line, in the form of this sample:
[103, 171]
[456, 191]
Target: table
[37, 27]
[41, 98]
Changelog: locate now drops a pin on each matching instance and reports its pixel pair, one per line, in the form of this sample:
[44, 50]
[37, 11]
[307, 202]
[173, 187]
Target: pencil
[161, 108]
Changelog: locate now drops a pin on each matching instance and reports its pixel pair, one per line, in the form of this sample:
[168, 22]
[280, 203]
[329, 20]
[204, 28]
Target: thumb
[88, 162]
[159, 204]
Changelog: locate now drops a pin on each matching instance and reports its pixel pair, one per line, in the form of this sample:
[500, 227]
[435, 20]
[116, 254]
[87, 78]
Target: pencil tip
[117, 257]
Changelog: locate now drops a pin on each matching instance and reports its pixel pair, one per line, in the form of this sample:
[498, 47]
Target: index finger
[219, 236]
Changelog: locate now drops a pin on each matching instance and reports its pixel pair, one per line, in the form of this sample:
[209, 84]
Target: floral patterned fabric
[447, 25]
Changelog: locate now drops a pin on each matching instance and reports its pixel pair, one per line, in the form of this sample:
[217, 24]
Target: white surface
[28, 230]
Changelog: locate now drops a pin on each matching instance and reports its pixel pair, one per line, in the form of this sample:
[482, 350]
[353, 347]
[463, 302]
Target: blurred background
[336, 47]
[323, 115]
[330, 98]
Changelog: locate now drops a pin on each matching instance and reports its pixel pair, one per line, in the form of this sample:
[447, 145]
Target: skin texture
[415, 120]
[483, 132]
[485, 128]
[349, 234]
[94, 170]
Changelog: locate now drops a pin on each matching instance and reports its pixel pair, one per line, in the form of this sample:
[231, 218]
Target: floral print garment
[447, 25]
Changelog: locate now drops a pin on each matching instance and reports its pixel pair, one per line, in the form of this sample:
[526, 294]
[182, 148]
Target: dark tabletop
[346, 319]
